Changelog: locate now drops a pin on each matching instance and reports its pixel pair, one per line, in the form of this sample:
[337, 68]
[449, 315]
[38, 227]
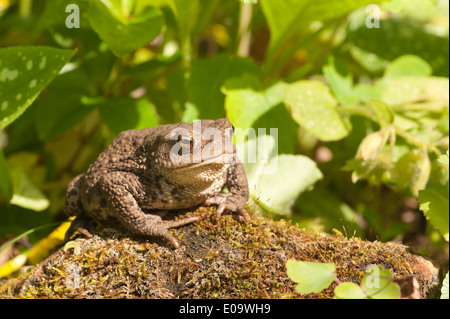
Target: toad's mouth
[217, 160]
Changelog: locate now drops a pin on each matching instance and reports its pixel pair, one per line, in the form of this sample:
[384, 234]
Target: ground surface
[217, 259]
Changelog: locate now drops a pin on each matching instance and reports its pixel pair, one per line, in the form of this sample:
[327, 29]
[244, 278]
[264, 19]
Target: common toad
[162, 168]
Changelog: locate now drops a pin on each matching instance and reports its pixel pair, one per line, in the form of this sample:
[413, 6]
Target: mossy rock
[217, 259]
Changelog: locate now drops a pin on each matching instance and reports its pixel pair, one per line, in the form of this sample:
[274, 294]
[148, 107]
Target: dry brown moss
[217, 259]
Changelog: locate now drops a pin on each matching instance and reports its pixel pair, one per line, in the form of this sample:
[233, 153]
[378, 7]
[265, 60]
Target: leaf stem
[244, 34]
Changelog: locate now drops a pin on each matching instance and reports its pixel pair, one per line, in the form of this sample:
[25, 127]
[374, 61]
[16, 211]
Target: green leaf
[24, 73]
[436, 209]
[206, 79]
[313, 107]
[444, 289]
[287, 17]
[127, 113]
[341, 84]
[384, 113]
[407, 65]
[413, 169]
[246, 101]
[443, 159]
[5, 182]
[120, 30]
[25, 193]
[378, 284]
[399, 37]
[349, 290]
[271, 182]
[311, 277]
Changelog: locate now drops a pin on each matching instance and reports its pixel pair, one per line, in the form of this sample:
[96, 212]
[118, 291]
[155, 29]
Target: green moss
[217, 259]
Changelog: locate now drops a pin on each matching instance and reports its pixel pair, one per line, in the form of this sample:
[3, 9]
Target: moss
[217, 259]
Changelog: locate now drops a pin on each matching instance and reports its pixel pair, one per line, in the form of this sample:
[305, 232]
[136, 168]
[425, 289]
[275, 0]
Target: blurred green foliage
[362, 113]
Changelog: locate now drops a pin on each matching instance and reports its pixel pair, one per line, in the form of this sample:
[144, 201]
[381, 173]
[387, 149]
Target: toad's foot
[229, 202]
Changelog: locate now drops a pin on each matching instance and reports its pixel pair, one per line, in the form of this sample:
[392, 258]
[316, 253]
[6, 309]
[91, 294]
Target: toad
[168, 167]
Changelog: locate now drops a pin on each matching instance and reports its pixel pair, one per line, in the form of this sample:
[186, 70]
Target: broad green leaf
[444, 289]
[436, 209]
[349, 290]
[311, 277]
[341, 84]
[271, 182]
[5, 183]
[313, 107]
[24, 73]
[407, 65]
[378, 284]
[246, 101]
[121, 32]
[127, 113]
[206, 79]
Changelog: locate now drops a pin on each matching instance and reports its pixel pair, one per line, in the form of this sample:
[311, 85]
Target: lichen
[216, 259]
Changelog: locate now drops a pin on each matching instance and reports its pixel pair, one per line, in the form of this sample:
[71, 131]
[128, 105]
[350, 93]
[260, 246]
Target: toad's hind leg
[73, 205]
[124, 207]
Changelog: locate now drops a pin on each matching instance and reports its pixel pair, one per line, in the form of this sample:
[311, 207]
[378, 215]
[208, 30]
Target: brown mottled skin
[136, 173]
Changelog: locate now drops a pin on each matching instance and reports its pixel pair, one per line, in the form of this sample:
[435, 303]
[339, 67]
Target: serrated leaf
[122, 32]
[311, 277]
[24, 73]
[349, 290]
[436, 209]
[313, 107]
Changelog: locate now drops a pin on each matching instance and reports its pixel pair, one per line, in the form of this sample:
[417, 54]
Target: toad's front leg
[115, 187]
[235, 201]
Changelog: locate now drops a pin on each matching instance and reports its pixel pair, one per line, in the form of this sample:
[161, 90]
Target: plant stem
[25, 8]
[244, 34]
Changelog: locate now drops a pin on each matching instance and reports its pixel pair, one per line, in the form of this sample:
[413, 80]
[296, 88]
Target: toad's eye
[186, 141]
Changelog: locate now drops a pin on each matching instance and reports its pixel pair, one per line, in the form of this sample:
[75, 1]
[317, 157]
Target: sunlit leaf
[378, 284]
[313, 107]
[24, 73]
[311, 277]
[436, 209]
[271, 182]
[121, 32]
[349, 290]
